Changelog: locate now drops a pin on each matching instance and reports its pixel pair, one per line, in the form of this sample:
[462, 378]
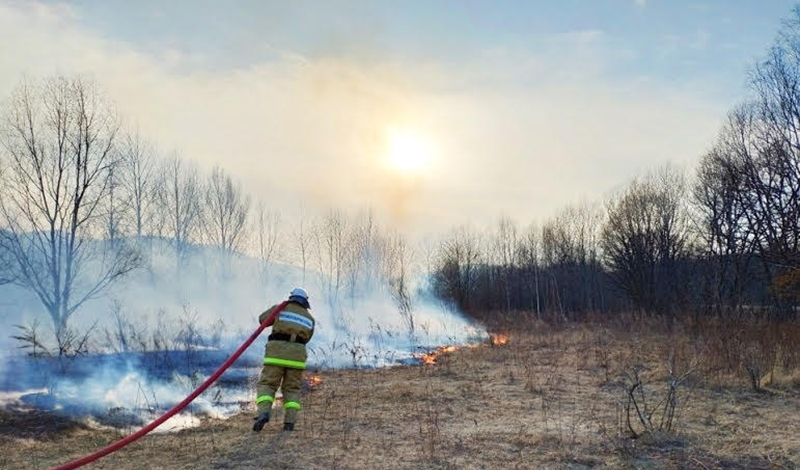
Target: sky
[433, 114]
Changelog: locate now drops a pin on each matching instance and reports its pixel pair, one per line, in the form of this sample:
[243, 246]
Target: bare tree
[362, 264]
[6, 270]
[748, 191]
[570, 253]
[395, 266]
[302, 240]
[179, 196]
[331, 244]
[268, 235]
[505, 246]
[58, 138]
[137, 179]
[225, 212]
[772, 175]
[528, 259]
[645, 238]
[458, 264]
[112, 209]
[722, 203]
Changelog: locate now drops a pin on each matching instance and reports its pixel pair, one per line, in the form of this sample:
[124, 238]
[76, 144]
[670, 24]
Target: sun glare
[408, 152]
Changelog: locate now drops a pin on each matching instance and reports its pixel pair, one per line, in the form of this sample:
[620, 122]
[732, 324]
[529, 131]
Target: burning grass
[430, 358]
[499, 339]
[312, 381]
[554, 398]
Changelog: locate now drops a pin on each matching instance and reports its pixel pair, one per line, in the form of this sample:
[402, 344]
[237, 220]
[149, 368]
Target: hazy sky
[520, 107]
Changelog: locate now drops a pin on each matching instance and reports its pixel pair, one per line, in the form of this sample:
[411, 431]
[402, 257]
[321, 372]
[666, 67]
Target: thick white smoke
[162, 332]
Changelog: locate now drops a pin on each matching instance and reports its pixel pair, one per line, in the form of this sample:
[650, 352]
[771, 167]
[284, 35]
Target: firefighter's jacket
[295, 326]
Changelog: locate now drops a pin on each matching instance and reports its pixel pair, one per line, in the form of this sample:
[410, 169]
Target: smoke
[324, 111]
[159, 333]
[120, 390]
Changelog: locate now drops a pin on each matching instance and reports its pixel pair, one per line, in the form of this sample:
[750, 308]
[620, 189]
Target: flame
[429, 358]
[314, 381]
[499, 339]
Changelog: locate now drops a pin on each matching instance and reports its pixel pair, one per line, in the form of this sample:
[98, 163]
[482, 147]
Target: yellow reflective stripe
[291, 405]
[264, 398]
[274, 361]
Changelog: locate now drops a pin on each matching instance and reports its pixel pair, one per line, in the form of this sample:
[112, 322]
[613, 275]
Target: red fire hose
[177, 408]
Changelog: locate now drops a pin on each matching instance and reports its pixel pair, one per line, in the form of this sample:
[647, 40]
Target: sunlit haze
[408, 152]
[513, 109]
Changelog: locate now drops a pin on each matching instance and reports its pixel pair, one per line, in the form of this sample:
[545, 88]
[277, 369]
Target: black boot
[288, 426]
[260, 421]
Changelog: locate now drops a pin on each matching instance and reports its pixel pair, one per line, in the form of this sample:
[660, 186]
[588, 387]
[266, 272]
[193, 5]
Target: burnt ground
[553, 399]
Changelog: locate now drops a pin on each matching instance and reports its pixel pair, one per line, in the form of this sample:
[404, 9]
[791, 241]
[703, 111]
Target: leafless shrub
[650, 411]
[753, 349]
[754, 364]
[75, 343]
[31, 339]
[759, 354]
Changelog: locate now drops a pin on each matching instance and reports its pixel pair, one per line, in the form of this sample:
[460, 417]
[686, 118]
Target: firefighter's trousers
[289, 381]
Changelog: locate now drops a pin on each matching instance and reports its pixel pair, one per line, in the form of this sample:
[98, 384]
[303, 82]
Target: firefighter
[284, 359]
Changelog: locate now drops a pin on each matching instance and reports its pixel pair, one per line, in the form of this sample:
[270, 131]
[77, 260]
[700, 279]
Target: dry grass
[551, 398]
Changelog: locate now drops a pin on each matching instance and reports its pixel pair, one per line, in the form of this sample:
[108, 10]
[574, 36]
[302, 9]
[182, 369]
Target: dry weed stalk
[30, 338]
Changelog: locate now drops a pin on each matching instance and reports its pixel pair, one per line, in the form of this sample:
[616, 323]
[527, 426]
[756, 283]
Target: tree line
[723, 241]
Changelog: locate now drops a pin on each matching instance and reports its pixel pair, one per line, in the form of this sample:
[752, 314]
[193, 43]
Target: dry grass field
[550, 398]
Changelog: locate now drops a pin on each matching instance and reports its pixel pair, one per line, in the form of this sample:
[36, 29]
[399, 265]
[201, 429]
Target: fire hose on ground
[177, 408]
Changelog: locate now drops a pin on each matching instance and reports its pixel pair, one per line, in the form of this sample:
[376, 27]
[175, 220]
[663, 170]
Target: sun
[409, 152]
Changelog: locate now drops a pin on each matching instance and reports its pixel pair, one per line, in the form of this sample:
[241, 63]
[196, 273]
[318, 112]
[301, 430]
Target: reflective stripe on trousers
[274, 361]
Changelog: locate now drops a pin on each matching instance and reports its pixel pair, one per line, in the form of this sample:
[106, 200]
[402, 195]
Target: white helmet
[298, 292]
